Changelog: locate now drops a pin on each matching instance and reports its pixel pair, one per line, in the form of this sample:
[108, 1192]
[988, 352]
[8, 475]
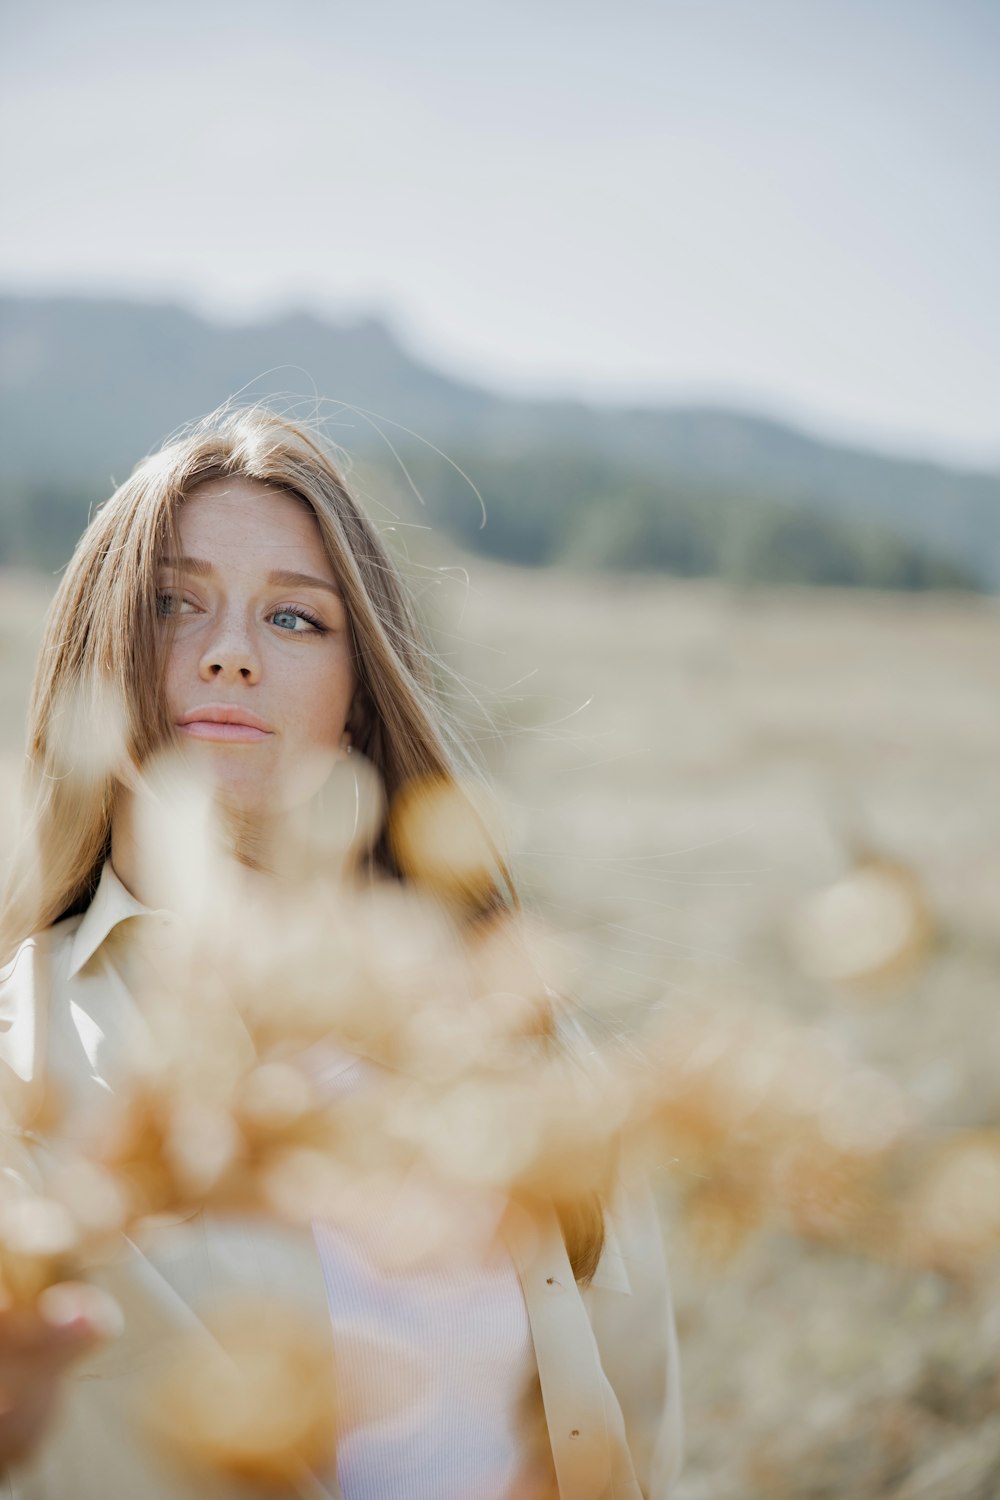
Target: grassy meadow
[681, 764]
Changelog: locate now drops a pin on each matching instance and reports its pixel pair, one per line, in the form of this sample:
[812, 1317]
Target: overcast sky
[787, 204]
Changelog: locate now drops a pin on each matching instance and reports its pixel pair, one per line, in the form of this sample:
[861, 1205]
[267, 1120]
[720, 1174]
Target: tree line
[569, 508]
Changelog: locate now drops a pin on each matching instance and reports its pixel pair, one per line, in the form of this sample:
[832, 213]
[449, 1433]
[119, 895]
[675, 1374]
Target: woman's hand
[36, 1346]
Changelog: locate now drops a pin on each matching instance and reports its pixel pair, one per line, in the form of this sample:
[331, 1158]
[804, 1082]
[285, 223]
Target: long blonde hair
[103, 627]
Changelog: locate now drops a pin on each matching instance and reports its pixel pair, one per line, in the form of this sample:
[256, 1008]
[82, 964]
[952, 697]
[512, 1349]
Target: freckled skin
[240, 640]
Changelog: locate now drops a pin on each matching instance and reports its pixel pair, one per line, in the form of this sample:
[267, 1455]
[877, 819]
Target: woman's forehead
[236, 518]
[227, 501]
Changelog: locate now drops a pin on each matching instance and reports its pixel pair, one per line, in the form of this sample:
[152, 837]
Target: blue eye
[293, 613]
[168, 603]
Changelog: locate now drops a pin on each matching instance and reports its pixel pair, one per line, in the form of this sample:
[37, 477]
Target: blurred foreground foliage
[479, 1087]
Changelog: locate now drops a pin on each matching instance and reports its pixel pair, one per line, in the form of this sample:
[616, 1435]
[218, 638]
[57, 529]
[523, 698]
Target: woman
[240, 605]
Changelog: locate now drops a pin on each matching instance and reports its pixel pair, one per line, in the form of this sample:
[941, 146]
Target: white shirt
[435, 1360]
[606, 1355]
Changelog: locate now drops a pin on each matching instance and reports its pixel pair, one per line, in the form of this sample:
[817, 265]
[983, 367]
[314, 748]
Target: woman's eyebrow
[302, 580]
[196, 565]
[199, 567]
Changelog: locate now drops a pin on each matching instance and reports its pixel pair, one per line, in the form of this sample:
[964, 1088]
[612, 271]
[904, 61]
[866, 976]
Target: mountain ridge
[89, 385]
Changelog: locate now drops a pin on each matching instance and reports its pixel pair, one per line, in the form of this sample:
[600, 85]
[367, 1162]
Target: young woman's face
[260, 677]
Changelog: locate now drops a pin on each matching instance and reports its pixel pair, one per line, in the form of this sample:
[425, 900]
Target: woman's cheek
[174, 683]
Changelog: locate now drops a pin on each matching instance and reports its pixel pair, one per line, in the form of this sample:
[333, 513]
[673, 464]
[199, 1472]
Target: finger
[66, 1316]
[36, 1346]
[75, 1310]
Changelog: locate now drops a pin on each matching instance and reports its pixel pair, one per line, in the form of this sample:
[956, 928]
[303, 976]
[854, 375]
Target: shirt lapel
[569, 1369]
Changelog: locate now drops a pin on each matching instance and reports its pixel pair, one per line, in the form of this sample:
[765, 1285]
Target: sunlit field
[681, 767]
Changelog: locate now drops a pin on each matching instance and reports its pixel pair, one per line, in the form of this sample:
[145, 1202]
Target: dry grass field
[681, 765]
[689, 764]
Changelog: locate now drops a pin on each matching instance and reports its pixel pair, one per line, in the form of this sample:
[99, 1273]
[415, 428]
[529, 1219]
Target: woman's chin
[262, 799]
[235, 789]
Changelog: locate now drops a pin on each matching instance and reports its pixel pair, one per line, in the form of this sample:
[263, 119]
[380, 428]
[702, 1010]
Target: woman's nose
[231, 654]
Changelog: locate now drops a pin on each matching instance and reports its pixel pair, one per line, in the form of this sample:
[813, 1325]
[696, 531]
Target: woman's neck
[146, 873]
[125, 859]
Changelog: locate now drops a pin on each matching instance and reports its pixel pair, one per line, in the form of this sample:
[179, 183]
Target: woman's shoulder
[23, 980]
[47, 944]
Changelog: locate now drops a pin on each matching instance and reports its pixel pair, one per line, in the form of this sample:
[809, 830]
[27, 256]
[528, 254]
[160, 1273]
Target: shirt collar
[112, 903]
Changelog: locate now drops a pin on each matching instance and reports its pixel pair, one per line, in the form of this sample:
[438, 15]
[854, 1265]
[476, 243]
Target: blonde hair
[103, 628]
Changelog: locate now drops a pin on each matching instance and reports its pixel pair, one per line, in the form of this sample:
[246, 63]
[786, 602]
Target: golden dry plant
[768, 1123]
[950, 1207]
[258, 975]
[253, 1397]
[867, 931]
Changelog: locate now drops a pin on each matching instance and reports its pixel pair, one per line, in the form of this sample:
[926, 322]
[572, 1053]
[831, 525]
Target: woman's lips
[224, 722]
[210, 729]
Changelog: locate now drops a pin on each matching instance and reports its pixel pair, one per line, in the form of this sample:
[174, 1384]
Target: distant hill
[88, 386]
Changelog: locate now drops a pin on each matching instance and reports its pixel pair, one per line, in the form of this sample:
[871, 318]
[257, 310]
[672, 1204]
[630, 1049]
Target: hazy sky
[790, 204]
